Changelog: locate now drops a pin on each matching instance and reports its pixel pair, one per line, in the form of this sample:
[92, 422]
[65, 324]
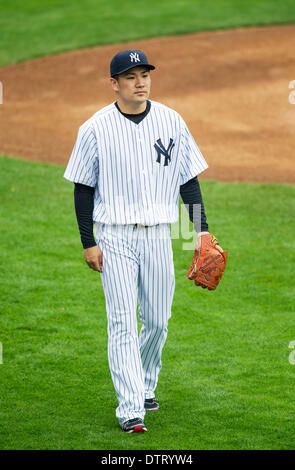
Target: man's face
[134, 85]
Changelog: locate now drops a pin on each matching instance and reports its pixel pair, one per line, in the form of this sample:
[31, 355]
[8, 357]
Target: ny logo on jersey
[134, 57]
[162, 151]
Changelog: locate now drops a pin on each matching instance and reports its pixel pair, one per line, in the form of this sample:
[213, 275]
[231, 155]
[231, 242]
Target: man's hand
[199, 244]
[93, 257]
[208, 262]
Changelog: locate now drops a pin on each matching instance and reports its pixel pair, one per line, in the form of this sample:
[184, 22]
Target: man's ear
[114, 84]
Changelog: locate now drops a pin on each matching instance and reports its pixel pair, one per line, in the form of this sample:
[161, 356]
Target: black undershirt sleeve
[192, 197]
[84, 203]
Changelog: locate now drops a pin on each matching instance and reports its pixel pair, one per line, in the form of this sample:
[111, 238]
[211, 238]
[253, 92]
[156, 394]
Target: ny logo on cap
[162, 151]
[134, 57]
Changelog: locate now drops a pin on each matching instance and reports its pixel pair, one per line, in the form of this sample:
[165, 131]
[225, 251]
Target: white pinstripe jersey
[136, 169]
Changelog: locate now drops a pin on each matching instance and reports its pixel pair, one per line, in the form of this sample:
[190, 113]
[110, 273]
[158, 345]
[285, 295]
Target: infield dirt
[231, 87]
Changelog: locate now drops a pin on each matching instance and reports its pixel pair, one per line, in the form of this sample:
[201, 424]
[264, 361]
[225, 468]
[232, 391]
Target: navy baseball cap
[126, 60]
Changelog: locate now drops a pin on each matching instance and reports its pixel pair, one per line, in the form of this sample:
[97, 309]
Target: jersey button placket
[139, 154]
[138, 211]
[143, 171]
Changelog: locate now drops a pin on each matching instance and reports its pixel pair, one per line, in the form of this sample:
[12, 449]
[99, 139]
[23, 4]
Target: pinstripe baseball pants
[137, 266]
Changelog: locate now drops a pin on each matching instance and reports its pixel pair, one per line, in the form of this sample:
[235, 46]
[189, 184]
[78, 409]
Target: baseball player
[130, 162]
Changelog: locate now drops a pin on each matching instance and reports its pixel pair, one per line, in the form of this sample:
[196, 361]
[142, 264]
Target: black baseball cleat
[151, 404]
[134, 425]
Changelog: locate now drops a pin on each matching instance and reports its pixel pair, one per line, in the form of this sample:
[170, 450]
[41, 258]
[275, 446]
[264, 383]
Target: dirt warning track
[231, 87]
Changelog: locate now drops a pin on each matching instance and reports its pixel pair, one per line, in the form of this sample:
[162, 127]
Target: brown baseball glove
[208, 263]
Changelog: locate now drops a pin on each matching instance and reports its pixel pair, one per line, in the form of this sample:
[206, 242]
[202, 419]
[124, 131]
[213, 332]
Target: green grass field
[32, 28]
[226, 382]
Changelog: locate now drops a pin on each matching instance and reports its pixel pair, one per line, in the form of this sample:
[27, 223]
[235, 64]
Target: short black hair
[116, 77]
